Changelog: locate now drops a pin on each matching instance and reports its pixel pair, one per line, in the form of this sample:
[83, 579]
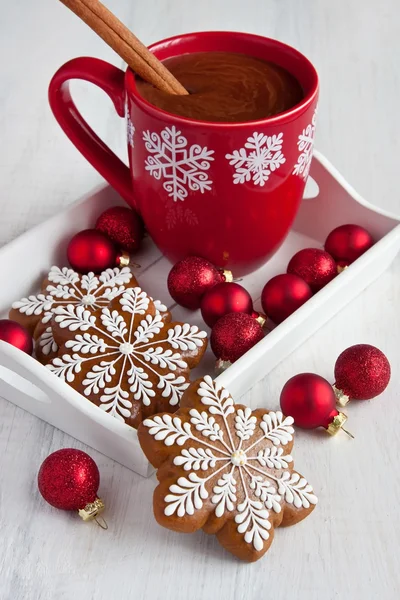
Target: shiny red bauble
[310, 400]
[92, 250]
[223, 299]
[233, 335]
[283, 295]
[361, 373]
[348, 242]
[123, 226]
[315, 266]
[69, 479]
[190, 278]
[15, 334]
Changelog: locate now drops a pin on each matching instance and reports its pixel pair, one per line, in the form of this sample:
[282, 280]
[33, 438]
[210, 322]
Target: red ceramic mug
[226, 191]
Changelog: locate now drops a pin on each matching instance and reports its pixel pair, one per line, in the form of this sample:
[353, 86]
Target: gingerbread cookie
[226, 469]
[127, 359]
[64, 286]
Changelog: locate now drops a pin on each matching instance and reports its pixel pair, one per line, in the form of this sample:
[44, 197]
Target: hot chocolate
[226, 87]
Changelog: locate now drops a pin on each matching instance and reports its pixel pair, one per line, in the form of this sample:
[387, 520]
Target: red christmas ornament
[362, 372]
[315, 266]
[348, 242]
[233, 335]
[15, 334]
[92, 250]
[123, 226]
[310, 400]
[191, 278]
[283, 295]
[225, 298]
[69, 479]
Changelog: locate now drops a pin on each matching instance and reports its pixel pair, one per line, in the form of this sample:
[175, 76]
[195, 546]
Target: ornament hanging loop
[348, 433]
[101, 522]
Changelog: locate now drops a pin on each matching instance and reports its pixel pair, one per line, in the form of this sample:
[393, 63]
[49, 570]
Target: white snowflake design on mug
[183, 167]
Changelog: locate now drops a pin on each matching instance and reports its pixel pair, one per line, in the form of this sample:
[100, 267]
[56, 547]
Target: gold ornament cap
[227, 275]
[124, 259]
[91, 510]
[341, 268]
[341, 398]
[261, 318]
[338, 421]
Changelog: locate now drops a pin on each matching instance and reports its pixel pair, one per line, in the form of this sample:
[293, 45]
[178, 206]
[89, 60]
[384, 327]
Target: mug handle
[111, 80]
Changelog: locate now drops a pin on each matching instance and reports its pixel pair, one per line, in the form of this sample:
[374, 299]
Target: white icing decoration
[261, 155]
[245, 424]
[305, 145]
[277, 429]
[273, 458]
[159, 306]
[89, 291]
[234, 459]
[131, 348]
[296, 490]
[181, 166]
[47, 342]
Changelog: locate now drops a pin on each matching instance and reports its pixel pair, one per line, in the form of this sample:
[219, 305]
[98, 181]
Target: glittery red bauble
[223, 299]
[15, 334]
[69, 479]
[310, 400]
[348, 242]
[315, 266]
[284, 294]
[191, 278]
[362, 372]
[123, 226]
[91, 250]
[233, 335]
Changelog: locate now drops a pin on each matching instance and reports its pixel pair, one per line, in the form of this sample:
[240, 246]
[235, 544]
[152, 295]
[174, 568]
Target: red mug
[226, 191]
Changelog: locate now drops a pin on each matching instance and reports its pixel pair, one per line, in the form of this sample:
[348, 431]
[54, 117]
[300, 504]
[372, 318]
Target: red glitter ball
[315, 266]
[348, 242]
[15, 334]
[191, 278]
[69, 479]
[283, 295]
[233, 335]
[362, 372]
[123, 226]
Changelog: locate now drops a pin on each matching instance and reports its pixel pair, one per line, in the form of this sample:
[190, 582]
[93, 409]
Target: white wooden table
[349, 547]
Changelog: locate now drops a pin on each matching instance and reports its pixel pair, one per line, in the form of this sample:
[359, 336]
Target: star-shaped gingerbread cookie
[126, 358]
[226, 469]
[64, 286]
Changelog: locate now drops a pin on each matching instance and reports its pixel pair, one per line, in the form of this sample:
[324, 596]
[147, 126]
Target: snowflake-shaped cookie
[305, 144]
[65, 286]
[261, 155]
[182, 167]
[126, 359]
[226, 469]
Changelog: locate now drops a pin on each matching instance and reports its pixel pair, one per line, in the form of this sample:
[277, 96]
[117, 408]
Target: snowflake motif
[126, 359]
[305, 144]
[91, 291]
[261, 156]
[182, 167]
[130, 128]
[230, 462]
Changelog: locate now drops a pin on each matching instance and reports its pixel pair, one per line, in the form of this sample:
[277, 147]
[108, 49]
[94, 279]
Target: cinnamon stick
[125, 44]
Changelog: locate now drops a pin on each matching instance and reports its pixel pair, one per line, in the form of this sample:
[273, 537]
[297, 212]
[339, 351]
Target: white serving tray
[329, 201]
